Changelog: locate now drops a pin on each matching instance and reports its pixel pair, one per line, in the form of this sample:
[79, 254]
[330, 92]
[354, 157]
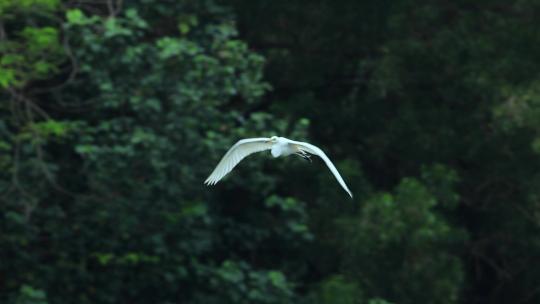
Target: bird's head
[273, 139]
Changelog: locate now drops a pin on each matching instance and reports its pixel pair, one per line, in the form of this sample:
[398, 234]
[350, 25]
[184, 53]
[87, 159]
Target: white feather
[280, 147]
[235, 154]
[316, 151]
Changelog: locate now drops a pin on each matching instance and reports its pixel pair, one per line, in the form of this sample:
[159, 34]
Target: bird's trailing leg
[304, 155]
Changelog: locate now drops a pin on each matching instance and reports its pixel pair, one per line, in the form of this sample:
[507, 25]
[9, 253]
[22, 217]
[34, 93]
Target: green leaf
[7, 78]
[277, 279]
[75, 16]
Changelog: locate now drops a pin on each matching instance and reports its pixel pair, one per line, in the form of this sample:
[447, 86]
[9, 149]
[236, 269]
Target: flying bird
[279, 146]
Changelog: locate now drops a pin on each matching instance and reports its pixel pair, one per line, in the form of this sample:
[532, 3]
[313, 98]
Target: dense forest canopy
[113, 113]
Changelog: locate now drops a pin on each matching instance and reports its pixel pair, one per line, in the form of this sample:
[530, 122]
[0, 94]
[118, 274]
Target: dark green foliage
[393, 87]
[113, 113]
[119, 212]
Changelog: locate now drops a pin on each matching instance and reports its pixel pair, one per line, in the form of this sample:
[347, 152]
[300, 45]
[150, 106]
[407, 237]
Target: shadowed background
[113, 113]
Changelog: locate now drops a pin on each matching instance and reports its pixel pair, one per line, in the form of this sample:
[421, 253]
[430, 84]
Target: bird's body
[278, 146]
[283, 147]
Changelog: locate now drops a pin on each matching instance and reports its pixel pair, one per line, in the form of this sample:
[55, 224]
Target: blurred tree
[110, 139]
[112, 114]
[393, 86]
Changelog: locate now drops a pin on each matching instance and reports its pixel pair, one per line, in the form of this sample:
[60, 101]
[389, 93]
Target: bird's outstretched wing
[235, 154]
[303, 146]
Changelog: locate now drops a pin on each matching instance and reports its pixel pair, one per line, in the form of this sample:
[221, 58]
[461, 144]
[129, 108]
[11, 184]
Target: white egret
[279, 146]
